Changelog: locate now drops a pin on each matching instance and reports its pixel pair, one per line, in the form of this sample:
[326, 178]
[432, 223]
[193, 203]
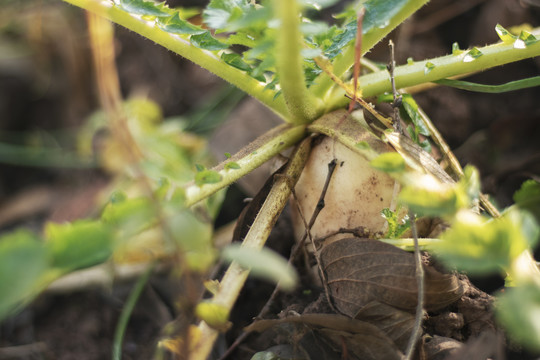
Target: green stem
[442, 67]
[235, 277]
[371, 35]
[126, 313]
[303, 106]
[249, 158]
[183, 47]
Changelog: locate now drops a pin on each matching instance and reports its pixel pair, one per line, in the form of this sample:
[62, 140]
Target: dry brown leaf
[358, 338]
[367, 345]
[359, 271]
[396, 324]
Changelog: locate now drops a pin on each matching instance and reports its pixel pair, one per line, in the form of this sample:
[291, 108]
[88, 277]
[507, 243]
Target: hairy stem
[303, 106]
[235, 277]
[249, 158]
[442, 67]
[181, 45]
[371, 36]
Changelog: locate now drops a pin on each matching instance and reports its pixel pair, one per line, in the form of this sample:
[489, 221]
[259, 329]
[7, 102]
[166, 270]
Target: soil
[51, 87]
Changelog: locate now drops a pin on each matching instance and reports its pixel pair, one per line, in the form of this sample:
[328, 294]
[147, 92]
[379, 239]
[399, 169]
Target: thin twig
[419, 270]
[266, 308]
[357, 56]
[320, 205]
[417, 329]
[397, 96]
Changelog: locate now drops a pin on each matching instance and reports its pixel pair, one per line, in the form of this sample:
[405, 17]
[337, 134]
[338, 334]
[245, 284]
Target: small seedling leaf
[518, 309]
[232, 165]
[215, 315]
[481, 246]
[528, 197]
[411, 108]
[144, 8]
[235, 60]
[206, 41]
[193, 236]
[79, 244]
[396, 226]
[263, 263]
[131, 214]
[390, 162]
[23, 262]
[207, 177]
[175, 25]
[318, 4]
[427, 196]
[363, 145]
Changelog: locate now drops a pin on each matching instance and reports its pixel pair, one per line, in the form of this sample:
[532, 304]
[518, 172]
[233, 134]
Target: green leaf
[518, 310]
[396, 227]
[481, 246]
[175, 25]
[318, 4]
[528, 197]
[427, 196]
[78, 245]
[215, 315]
[470, 184]
[132, 215]
[363, 145]
[232, 165]
[491, 89]
[207, 177]
[220, 13]
[236, 61]
[342, 39]
[207, 42]
[23, 262]
[144, 7]
[411, 108]
[313, 28]
[193, 236]
[263, 263]
[390, 162]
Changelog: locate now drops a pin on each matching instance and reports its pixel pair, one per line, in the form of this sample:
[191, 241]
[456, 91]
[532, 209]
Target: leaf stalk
[235, 277]
[304, 107]
[249, 158]
[443, 67]
[180, 45]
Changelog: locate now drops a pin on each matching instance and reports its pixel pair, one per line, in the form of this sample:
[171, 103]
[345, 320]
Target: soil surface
[51, 86]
